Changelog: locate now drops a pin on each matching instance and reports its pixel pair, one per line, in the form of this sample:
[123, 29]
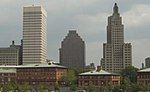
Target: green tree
[130, 73]
[148, 87]
[1, 86]
[110, 87]
[73, 87]
[64, 80]
[56, 87]
[10, 86]
[116, 88]
[91, 87]
[136, 87]
[42, 88]
[24, 87]
[70, 78]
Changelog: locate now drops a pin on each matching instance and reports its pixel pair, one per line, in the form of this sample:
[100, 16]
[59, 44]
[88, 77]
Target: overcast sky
[88, 17]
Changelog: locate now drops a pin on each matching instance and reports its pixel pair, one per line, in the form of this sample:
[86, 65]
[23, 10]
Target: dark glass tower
[72, 51]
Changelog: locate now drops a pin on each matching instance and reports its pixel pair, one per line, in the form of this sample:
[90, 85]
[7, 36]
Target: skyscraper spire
[115, 9]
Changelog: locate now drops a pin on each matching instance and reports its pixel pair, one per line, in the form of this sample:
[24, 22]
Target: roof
[34, 66]
[145, 70]
[95, 72]
[31, 8]
[7, 70]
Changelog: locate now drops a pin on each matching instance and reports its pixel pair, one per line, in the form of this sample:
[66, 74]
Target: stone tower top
[115, 9]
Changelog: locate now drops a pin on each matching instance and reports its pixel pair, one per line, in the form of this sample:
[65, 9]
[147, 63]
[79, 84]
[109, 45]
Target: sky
[88, 17]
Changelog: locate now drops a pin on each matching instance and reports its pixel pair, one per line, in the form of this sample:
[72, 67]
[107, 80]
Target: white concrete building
[34, 34]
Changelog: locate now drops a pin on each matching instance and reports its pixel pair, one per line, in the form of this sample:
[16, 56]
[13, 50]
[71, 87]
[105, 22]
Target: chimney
[142, 65]
[99, 68]
[13, 42]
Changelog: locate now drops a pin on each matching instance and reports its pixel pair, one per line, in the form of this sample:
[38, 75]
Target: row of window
[97, 77]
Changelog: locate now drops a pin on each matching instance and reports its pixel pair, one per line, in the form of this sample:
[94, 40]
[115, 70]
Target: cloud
[93, 50]
[137, 16]
[140, 50]
[8, 1]
[91, 24]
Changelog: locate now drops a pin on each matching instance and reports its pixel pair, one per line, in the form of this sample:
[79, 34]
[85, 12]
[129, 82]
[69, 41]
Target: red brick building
[143, 76]
[7, 75]
[98, 78]
[35, 74]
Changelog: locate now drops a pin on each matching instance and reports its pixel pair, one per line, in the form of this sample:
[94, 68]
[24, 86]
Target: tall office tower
[116, 54]
[72, 51]
[34, 34]
[147, 62]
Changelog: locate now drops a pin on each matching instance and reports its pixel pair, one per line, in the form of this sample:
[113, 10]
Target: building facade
[116, 54]
[98, 77]
[11, 55]
[33, 74]
[147, 62]
[72, 51]
[7, 75]
[143, 76]
[34, 35]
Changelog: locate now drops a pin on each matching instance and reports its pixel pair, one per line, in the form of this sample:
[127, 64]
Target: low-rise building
[143, 76]
[35, 74]
[7, 75]
[98, 77]
[11, 55]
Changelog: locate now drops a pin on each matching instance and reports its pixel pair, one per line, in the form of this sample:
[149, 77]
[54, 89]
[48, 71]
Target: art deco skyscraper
[34, 34]
[72, 51]
[116, 54]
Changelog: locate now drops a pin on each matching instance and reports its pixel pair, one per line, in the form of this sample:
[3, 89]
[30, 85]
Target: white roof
[33, 66]
[7, 70]
[145, 70]
[95, 72]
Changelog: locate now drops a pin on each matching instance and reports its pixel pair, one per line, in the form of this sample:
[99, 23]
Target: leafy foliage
[130, 73]
[70, 79]
[91, 87]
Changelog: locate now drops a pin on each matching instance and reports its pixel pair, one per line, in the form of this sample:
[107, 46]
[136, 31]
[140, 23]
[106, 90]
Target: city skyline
[90, 21]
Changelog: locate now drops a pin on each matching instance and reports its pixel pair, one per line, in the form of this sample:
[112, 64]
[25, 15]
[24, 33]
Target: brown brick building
[72, 51]
[7, 75]
[143, 76]
[34, 74]
[98, 77]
